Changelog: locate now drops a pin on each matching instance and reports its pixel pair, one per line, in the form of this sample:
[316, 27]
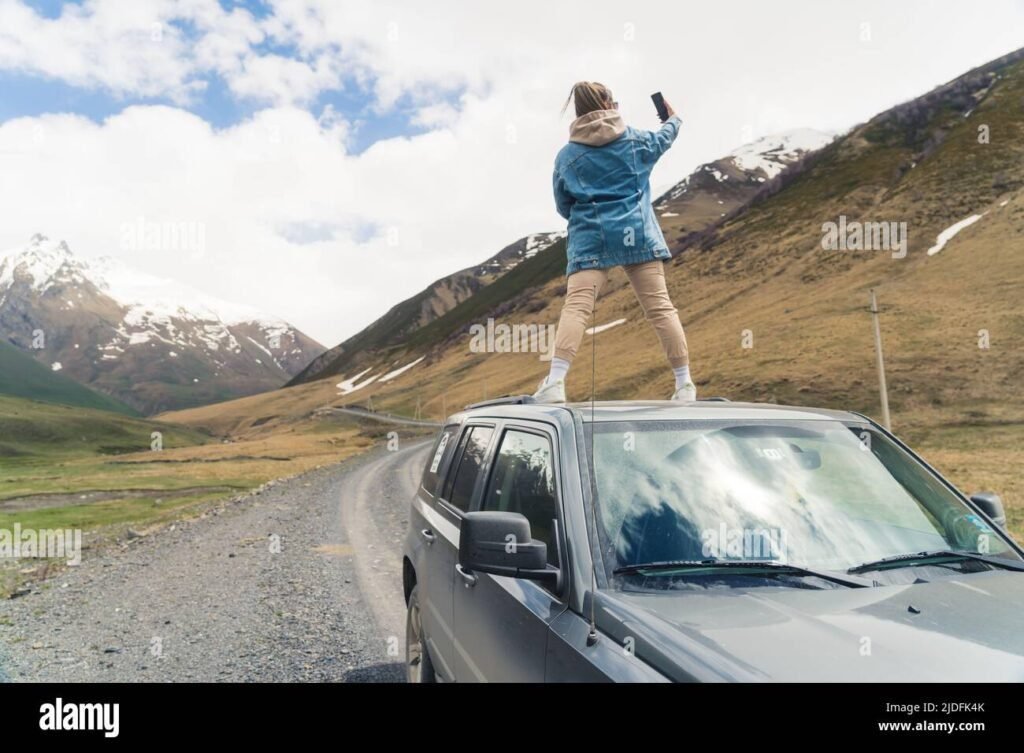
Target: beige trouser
[648, 282]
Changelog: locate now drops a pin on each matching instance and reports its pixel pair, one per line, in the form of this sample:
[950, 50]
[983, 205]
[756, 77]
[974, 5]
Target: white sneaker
[686, 394]
[550, 393]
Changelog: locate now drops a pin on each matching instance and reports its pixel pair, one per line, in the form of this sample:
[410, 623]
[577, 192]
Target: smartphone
[659, 105]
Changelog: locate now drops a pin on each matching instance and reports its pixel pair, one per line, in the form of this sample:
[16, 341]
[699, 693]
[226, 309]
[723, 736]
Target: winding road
[301, 582]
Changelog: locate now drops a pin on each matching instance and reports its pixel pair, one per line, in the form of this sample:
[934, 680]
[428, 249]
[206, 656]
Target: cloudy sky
[337, 156]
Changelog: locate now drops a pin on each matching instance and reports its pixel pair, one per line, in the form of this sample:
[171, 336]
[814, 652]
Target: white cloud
[127, 48]
[274, 78]
[297, 225]
[292, 223]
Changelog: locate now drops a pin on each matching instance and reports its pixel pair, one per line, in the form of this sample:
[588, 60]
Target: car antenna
[592, 635]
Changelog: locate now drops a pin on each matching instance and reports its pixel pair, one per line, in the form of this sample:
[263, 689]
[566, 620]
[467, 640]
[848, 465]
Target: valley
[118, 478]
[772, 314]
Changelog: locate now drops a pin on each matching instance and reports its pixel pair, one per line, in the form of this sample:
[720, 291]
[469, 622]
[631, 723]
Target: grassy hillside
[33, 429]
[23, 376]
[765, 271]
[281, 411]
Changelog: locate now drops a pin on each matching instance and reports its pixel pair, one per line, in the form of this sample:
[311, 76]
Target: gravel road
[210, 599]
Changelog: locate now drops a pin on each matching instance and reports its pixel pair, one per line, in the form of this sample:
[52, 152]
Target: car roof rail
[505, 400]
[713, 400]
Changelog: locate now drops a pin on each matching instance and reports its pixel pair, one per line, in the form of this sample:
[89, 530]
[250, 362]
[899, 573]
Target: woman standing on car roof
[602, 187]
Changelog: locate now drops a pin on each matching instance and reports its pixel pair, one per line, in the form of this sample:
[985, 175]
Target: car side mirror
[992, 506]
[500, 543]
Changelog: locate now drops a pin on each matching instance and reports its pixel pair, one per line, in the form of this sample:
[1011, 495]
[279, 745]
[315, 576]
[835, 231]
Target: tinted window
[523, 482]
[437, 460]
[472, 460]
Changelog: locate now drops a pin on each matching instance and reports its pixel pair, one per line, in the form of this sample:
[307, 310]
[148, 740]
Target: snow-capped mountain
[772, 154]
[714, 190]
[151, 342]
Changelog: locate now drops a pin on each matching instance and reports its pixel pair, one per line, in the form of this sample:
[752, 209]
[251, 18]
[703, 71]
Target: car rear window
[460, 488]
[438, 458]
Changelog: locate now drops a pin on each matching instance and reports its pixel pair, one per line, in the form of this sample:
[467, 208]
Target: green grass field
[50, 453]
[100, 472]
[33, 429]
[23, 376]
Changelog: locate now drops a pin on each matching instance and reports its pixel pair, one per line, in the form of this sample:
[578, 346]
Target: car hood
[962, 629]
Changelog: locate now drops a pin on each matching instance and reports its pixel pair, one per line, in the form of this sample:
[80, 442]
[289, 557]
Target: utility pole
[881, 363]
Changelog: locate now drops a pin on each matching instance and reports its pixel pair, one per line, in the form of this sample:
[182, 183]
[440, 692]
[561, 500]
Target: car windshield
[819, 494]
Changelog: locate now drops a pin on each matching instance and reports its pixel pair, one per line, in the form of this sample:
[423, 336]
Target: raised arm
[658, 142]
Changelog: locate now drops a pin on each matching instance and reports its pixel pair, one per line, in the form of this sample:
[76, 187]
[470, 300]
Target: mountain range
[772, 310]
[150, 343]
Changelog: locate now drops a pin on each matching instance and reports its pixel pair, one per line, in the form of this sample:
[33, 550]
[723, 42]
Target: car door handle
[427, 534]
[468, 577]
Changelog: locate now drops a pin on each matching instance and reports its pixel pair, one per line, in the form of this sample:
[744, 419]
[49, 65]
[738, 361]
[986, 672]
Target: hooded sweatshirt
[597, 128]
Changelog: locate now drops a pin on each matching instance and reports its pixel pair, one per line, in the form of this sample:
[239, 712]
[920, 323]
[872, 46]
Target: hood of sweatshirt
[597, 128]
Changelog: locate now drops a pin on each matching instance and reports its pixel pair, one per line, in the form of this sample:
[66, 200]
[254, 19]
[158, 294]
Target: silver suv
[654, 541]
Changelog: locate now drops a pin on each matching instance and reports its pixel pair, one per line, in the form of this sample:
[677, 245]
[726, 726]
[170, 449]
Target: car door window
[523, 481]
[438, 458]
[473, 454]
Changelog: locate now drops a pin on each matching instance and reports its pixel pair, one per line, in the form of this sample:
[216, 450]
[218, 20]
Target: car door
[501, 623]
[433, 571]
[465, 474]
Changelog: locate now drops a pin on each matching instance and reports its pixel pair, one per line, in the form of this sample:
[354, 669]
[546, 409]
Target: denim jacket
[602, 186]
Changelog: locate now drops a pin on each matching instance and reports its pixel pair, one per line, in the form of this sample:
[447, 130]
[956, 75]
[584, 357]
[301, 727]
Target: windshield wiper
[779, 568]
[907, 560]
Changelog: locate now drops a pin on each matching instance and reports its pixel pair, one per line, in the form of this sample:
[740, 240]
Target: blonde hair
[589, 96]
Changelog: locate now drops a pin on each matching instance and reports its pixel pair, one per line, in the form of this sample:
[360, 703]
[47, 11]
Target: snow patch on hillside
[539, 241]
[399, 371]
[604, 327]
[348, 386]
[716, 173]
[947, 235]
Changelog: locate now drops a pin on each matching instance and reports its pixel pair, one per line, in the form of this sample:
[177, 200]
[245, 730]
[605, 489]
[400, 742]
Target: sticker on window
[440, 451]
